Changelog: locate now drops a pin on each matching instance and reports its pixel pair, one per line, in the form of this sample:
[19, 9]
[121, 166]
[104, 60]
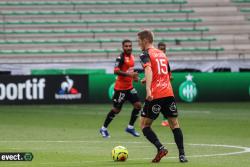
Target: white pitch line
[68, 141]
[244, 150]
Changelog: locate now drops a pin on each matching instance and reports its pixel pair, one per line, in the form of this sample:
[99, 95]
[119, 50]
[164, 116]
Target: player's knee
[142, 126]
[144, 123]
[116, 110]
[137, 106]
[173, 123]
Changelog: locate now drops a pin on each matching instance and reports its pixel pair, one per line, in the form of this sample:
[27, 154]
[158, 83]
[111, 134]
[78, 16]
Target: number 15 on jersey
[162, 66]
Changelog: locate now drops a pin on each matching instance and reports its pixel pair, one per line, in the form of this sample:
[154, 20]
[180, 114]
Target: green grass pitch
[215, 134]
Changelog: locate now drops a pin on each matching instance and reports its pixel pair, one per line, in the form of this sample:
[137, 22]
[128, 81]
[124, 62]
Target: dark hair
[146, 34]
[125, 41]
[161, 44]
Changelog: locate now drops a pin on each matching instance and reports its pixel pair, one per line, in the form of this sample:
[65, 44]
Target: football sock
[151, 136]
[134, 116]
[103, 128]
[178, 137]
[109, 118]
[130, 127]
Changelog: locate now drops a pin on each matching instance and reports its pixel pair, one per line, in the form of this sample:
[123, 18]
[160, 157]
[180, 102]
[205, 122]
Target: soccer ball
[119, 153]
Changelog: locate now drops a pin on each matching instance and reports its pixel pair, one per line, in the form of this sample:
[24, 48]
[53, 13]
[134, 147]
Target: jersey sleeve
[145, 59]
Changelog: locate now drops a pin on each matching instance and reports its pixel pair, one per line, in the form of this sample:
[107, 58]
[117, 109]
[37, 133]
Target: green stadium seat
[63, 11]
[93, 2]
[79, 51]
[155, 20]
[91, 40]
[245, 10]
[71, 71]
[241, 1]
[78, 31]
[92, 12]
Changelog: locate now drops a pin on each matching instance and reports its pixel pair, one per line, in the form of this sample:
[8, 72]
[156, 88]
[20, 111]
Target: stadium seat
[245, 10]
[70, 71]
[91, 2]
[89, 28]
[73, 31]
[241, 1]
[75, 51]
[143, 21]
[93, 12]
[91, 40]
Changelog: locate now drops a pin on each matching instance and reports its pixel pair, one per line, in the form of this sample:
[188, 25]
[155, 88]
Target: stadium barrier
[98, 88]
[188, 87]
[43, 89]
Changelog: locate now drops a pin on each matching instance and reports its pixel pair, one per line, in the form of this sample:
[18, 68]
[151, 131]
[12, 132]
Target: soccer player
[159, 96]
[124, 90]
[162, 47]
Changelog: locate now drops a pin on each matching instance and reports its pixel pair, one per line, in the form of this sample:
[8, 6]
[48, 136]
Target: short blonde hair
[146, 35]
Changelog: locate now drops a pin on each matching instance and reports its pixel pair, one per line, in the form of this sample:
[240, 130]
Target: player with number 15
[159, 96]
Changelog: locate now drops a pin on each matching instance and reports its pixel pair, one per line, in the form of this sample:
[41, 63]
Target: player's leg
[134, 99]
[147, 118]
[118, 100]
[135, 113]
[170, 111]
[178, 137]
[110, 116]
[152, 137]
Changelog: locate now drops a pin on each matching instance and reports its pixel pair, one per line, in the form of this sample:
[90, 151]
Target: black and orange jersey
[124, 63]
[157, 60]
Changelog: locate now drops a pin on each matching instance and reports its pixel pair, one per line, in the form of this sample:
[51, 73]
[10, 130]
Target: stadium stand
[90, 31]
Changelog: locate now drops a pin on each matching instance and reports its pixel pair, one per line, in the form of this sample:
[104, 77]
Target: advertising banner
[216, 87]
[99, 88]
[43, 89]
[188, 87]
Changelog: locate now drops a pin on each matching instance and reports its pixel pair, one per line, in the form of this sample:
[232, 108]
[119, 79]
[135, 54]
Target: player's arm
[143, 80]
[118, 71]
[148, 78]
[170, 73]
[146, 64]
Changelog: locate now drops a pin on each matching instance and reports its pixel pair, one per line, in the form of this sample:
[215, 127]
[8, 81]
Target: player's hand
[143, 81]
[171, 77]
[149, 96]
[135, 76]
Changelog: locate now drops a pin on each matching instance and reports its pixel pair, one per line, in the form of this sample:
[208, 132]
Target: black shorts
[120, 96]
[166, 105]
